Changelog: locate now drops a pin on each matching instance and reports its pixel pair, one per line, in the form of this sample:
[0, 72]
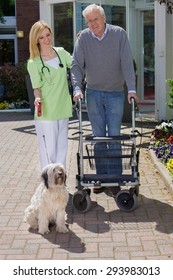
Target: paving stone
[105, 232]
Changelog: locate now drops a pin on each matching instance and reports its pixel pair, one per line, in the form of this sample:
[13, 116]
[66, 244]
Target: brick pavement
[105, 232]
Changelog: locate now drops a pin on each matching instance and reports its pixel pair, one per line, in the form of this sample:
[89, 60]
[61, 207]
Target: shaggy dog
[49, 201]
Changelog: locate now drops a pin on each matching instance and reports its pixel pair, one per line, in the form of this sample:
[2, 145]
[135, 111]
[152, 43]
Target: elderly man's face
[96, 22]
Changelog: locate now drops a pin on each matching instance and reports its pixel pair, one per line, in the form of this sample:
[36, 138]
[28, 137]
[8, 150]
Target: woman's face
[45, 38]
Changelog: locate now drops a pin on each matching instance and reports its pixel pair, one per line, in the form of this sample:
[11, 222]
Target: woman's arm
[37, 94]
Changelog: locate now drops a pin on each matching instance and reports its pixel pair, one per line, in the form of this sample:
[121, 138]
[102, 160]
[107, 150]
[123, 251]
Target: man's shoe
[98, 190]
[112, 191]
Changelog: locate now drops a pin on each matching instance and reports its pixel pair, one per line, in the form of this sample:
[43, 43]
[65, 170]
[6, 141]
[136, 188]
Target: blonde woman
[47, 67]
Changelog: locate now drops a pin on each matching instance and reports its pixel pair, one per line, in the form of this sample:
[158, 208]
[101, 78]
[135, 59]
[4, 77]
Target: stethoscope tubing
[47, 68]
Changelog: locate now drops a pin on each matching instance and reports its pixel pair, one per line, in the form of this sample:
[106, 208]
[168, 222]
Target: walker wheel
[126, 201]
[136, 191]
[81, 201]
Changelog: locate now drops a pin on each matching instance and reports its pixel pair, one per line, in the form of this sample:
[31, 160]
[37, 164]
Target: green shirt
[55, 96]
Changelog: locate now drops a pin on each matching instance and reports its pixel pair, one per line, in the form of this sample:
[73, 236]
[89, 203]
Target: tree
[169, 5]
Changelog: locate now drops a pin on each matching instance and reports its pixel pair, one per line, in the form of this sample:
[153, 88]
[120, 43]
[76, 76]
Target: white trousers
[53, 141]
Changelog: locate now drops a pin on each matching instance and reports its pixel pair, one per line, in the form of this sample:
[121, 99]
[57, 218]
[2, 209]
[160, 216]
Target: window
[6, 51]
[7, 8]
[7, 32]
[63, 25]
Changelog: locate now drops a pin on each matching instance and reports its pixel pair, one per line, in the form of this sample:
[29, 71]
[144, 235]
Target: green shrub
[3, 105]
[170, 93]
[13, 79]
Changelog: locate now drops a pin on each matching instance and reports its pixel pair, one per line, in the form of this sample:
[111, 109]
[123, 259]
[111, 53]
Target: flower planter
[165, 174]
[161, 150]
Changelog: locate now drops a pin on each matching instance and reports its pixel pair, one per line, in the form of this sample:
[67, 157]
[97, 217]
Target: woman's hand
[37, 94]
[37, 101]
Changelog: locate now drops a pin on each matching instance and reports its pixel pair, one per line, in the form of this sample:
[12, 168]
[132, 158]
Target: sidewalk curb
[168, 179]
[15, 111]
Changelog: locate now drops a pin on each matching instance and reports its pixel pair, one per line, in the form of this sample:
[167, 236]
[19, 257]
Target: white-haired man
[103, 56]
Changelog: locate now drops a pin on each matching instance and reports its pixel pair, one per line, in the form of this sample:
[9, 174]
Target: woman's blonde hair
[34, 35]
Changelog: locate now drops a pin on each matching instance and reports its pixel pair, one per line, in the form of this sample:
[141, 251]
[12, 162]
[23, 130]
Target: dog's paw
[43, 231]
[35, 227]
[62, 229]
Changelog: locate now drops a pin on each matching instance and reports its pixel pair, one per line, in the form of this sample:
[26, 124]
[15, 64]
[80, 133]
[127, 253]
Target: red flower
[170, 139]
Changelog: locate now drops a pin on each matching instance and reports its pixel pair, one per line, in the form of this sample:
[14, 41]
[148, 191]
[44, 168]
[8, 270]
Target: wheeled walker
[107, 162]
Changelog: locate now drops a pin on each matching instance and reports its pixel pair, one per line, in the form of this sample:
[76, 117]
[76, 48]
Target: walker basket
[110, 155]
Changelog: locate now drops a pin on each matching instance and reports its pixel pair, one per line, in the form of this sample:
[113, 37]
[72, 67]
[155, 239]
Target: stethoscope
[47, 68]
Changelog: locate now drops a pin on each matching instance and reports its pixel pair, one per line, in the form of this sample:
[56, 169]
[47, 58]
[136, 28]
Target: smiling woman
[47, 67]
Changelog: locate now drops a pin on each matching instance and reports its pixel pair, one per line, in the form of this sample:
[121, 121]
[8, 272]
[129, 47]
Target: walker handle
[78, 104]
[135, 106]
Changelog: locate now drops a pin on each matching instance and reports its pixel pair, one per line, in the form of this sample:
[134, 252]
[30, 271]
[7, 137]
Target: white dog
[49, 201]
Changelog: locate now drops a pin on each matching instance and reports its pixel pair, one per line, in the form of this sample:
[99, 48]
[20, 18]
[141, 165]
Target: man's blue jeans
[105, 112]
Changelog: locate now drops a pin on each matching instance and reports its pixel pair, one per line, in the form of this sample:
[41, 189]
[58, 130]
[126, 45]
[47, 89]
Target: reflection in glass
[149, 77]
[6, 51]
[63, 25]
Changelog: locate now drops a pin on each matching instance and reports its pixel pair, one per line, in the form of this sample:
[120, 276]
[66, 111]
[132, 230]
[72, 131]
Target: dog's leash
[48, 159]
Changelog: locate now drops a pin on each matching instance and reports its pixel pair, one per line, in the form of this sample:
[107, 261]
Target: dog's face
[53, 175]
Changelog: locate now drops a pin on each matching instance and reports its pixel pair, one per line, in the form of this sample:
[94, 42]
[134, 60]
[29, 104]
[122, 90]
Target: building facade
[19, 15]
[147, 24]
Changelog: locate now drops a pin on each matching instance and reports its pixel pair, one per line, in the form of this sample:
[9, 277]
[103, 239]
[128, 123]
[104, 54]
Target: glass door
[145, 67]
[148, 40]
[63, 25]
